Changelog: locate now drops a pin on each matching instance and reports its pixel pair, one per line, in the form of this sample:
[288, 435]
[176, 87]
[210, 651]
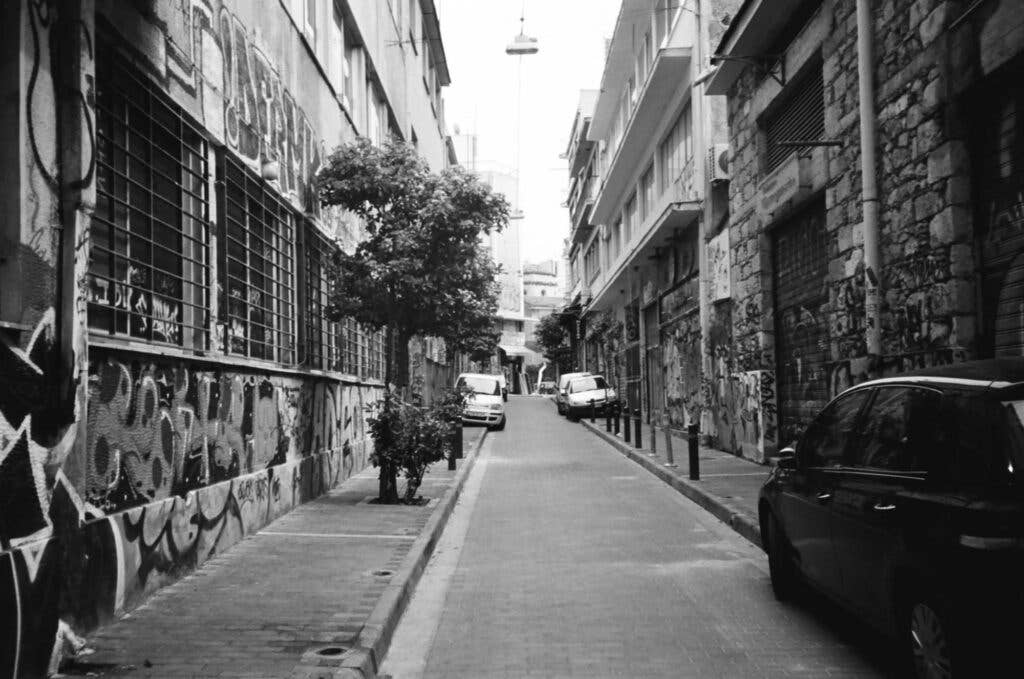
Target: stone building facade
[790, 333]
[168, 383]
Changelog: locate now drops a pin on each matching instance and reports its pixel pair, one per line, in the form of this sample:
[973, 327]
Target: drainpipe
[869, 194]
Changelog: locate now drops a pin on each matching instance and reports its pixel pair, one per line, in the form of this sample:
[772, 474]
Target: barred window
[322, 339]
[148, 254]
[376, 362]
[257, 272]
[349, 347]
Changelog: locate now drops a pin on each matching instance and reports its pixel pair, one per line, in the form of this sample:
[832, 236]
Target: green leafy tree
[422, 268]
[553, 339]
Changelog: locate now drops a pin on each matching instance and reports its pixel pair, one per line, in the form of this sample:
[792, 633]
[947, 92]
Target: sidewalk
[315, 594]
[728, 485]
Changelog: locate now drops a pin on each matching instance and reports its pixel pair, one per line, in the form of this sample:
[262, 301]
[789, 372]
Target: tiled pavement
[313, 577]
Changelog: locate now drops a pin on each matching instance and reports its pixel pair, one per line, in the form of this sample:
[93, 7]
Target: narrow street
[564, 559]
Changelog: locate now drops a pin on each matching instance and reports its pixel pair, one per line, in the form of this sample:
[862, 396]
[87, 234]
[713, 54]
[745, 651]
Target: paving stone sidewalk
[728, 485]
[313, 578]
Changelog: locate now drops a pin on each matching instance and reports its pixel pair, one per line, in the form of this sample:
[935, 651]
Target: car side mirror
[786, 459]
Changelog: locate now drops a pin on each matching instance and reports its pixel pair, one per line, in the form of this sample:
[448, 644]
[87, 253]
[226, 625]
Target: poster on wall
[718, 265]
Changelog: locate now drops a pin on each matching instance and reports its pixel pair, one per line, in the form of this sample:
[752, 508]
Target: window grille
[349, 347]
[257, 272]
[148, 254]
[800, 116]
[322, 337]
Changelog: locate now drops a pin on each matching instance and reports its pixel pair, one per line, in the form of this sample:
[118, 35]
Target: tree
[553, 339]
[423, 268]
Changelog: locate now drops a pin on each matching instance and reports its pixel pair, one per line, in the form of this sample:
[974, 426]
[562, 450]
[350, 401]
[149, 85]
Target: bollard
[607, 417]
[456, 436]
[458, 440]
[694, 458]
[670, 461]
[636, 429]
[654, 435]
[615, 418]
[592, 411]
[625, 424]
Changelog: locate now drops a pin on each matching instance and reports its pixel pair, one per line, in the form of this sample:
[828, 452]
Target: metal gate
[654, 368]
[800, 266]
[998, 146]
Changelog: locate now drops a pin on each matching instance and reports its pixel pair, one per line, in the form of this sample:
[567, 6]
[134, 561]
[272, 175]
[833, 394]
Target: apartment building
[640, 200]
[164, 356]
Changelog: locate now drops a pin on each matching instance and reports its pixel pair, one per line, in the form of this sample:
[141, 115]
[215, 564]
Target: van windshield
[480, 385]
[587, 384]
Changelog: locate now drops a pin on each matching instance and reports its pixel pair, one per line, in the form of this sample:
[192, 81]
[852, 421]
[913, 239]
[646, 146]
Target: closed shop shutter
[800, 266]
[998, 147]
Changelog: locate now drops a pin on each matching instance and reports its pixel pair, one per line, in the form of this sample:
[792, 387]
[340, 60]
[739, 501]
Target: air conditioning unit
[718, 163]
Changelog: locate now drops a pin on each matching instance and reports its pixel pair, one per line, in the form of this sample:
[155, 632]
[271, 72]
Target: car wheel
[501, 425]
[927, 633]
[780, 565]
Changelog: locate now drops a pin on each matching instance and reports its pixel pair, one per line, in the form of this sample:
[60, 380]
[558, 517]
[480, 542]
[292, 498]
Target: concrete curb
[722, 509]
[363, 660]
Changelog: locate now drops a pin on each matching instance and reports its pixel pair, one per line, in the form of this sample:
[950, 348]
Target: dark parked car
[904, 502]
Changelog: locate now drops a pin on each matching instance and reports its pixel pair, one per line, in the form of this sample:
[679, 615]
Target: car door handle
[879, 507]
[824, 497]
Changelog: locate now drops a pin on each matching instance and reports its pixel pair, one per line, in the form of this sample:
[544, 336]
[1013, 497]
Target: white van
[561, 397]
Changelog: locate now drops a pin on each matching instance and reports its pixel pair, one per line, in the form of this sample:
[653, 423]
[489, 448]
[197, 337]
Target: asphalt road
[564, 559]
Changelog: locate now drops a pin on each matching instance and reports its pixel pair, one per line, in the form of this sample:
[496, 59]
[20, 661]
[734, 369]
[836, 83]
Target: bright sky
[482, 96]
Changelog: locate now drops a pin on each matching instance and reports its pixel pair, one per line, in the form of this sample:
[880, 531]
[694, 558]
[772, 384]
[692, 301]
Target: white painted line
[337, 535]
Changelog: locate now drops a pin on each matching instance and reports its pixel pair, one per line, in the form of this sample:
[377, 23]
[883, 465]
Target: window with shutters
[799, 115]
[148, 251]
[257, 266]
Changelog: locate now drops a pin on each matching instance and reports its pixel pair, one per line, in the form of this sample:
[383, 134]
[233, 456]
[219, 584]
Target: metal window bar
[149, 273]
[321, 345]
[349, 347]
[257, 272]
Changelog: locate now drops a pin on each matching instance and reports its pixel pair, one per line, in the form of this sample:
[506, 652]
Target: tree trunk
[387, 482]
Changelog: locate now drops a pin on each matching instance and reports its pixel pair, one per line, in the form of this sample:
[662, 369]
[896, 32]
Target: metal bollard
[456, 437]
[625, 424]
[636, 429]
[694, 457]
[670, 460]
[458, 440]
[592, 412]
[654, 435]
[615, 418]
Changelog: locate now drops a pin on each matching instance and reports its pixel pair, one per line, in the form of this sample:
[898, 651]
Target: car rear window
[983, 435]
[1013, 412]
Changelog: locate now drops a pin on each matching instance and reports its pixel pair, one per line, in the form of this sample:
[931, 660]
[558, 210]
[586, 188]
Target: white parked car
[484, 405]
[561, 400]
[583, 390]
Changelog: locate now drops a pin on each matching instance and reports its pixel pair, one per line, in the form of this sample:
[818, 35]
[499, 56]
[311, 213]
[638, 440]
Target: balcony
[677, 208]
[581, 201]
[670, 73]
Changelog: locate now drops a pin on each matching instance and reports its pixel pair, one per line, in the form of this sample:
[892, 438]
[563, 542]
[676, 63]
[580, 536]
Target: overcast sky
[482, 96]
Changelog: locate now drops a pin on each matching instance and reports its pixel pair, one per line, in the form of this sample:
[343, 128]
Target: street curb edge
[364, 659]
[722, 510]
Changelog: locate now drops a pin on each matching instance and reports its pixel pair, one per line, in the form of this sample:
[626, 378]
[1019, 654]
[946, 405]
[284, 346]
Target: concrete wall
[124, 466]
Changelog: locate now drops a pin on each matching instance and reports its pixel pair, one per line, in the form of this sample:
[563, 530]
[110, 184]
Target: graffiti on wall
[682, 360]
[849, 372]
[239, 91]
[719, 268]
[156, 430]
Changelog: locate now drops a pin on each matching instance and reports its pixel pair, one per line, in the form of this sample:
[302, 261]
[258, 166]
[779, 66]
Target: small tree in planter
[422, 269]
[411, 437]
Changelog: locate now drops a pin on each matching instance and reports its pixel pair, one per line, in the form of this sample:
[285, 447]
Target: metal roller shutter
[999, 181]
[800, 266]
